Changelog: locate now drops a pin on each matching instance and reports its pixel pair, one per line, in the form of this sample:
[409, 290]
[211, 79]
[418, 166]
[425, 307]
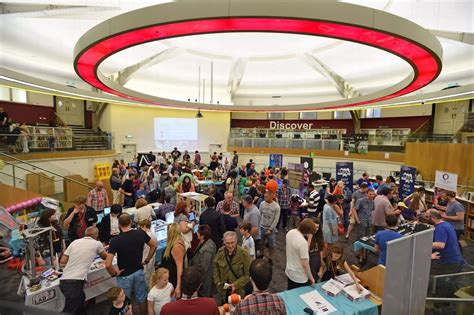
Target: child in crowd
[334, 264]
[160, 291]
[247, 239]
[121, 304]
[149, 268]
[230, 222]
[141, 192]
[295, 203]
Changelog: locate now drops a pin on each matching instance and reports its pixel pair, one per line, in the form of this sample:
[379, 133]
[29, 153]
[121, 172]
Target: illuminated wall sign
[290, 126]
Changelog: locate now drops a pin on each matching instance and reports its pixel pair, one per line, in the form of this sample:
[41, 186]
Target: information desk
[404, 229]
[50, 297]
[295, 304]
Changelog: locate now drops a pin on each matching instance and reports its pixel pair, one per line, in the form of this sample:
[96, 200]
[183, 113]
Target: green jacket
[222, 274]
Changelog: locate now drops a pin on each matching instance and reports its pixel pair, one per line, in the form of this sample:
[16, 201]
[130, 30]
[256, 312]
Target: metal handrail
[453, 300]
[40, 168]
[448, 275]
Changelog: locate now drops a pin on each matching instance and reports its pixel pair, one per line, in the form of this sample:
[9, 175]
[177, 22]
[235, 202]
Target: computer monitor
[170, 217]
[100, 216]
[326, 176]
[279, 135]
[317, 136]
[297, 136]
[106, 211]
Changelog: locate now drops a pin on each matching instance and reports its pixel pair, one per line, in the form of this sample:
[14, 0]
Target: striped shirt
[313, 201]
[261, 302]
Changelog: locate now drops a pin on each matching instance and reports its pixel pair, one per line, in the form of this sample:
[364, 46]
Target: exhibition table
[296, 305]
[132, 211]
[50, 297]
[404, 229]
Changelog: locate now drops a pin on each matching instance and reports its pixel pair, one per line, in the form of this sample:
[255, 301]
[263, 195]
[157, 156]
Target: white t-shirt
[146, 248]
[160, 297]
[145, 212]
[114, 226]
[296, 249]
[249, 245]
[81, 254]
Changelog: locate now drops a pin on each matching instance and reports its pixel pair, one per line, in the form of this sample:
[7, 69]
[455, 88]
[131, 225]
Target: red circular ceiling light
[425, 62]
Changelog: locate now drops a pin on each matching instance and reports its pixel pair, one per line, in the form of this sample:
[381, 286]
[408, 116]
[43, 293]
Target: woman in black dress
[173, 257]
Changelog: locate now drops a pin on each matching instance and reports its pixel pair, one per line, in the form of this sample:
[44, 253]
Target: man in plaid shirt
[283, 197]
[261, 301]
[98, 198]
[234, 206]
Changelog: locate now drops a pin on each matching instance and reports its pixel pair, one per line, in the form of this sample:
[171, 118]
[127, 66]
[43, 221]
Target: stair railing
[14, 165]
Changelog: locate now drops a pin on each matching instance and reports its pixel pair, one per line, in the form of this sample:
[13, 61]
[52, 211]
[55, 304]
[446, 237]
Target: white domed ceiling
[250, 69]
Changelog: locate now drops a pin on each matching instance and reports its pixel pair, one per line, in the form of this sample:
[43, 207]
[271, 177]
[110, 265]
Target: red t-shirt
[81, 225]
[206, 306]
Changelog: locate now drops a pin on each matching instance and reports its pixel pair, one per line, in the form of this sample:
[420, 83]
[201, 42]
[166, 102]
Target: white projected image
[176, 132]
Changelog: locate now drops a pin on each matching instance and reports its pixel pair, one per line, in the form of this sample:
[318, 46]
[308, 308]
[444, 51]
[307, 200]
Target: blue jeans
[134, 283]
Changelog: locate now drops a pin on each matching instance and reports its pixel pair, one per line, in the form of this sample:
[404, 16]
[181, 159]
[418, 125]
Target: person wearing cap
[407, 213]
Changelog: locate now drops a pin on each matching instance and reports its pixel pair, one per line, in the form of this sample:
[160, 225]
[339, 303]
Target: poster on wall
[447, 181]
[276, 160]
[345, 173]
[145, 159]
[407, 181]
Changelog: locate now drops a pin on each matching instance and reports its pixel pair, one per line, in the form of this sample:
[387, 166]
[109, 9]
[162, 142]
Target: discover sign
[290, 126]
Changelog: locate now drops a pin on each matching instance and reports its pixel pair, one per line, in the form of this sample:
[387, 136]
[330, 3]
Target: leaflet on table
[332, 287]
[345, 279]
[353, 294]
[317, 303]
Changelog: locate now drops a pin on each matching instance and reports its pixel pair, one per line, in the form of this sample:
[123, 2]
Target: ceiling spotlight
[199, 115]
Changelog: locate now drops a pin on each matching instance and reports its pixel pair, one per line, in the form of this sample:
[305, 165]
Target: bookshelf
[387, 136]
[39, 136]
[469, 214]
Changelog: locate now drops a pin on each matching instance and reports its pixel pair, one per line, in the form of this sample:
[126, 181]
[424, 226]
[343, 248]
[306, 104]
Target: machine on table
[404, 229]
[204, 185]
[49, 296]
[195, 199]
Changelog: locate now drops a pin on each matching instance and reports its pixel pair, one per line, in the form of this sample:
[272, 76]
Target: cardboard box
[332, 287]
[353, 294]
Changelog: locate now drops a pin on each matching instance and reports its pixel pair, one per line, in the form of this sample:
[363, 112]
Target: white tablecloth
[50, 296]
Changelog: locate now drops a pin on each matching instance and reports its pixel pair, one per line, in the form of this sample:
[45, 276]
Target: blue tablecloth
[210, 182]
[360, 245]
[295, 305]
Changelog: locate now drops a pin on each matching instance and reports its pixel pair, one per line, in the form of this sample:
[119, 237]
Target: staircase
[469, 125]
[88, 139]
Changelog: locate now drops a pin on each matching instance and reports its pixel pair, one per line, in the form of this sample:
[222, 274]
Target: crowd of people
[228, 247]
